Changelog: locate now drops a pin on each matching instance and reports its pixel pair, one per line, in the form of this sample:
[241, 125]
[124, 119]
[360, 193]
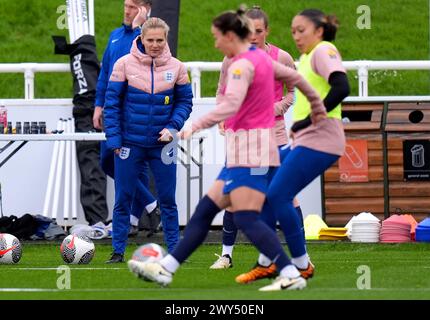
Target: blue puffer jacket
[119, 44]
[144, 96]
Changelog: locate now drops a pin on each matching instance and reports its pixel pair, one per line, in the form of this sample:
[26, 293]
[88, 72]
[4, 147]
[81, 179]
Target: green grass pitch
[397, 271]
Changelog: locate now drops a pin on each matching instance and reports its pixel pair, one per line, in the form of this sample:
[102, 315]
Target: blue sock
[263, 238]
[197, 229]
[290, 225]
[229, 229]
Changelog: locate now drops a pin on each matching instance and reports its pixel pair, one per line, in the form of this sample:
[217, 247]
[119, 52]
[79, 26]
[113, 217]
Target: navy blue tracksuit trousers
[128, 167]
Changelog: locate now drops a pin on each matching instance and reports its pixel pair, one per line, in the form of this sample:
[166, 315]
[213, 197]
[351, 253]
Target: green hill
[399, 30]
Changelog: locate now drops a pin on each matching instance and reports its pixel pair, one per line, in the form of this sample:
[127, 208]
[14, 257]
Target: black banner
[416, 160]
[85, 68]
[168, 10]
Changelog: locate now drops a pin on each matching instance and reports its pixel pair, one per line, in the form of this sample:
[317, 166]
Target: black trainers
[155, 220]
[150, 223]
[116, 258]
[134, 230]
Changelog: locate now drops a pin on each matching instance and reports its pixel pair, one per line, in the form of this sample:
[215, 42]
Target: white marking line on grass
[77, 268]
[371, 260]
[157, 289]
[27, 290]
[49, 268]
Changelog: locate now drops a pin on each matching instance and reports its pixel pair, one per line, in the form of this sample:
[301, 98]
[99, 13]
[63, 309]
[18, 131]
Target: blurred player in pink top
[246, 107]
[264, 268]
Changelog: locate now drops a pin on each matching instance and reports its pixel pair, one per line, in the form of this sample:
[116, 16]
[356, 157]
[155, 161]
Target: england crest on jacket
[169, 76]
[124, 153]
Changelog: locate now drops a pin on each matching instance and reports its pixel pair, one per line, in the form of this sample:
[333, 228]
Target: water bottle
[42, 127]
[18, 127]
[9, 127]
[34, 128]
[3, 116]
[26, 127]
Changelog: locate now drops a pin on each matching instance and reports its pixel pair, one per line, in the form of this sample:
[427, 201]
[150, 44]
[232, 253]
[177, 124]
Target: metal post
[196, 75]
[29, 84]
[188, 167]
[58, 175]
[67, 181]
[385, 162]
[70, 21]
[84, 9]
[79, 24]
[201, 169]
[51, 176]
[74, 192]
[91, 17]
[363, 79]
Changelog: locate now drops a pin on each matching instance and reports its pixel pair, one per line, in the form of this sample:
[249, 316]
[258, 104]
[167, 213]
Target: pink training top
[246, 105]
[327, 135]
[256, 109]
[282, 103]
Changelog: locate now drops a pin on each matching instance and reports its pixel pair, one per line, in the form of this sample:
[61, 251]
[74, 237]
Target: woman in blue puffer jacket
[148, 100]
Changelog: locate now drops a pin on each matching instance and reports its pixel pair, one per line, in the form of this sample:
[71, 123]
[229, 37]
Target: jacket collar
[127, 28]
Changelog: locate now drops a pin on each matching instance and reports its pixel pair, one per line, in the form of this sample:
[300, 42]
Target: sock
[229, 233]
[227, 250]
[290, 271]
[290, 225]
[301, 262]
[229, 230]
[170, 263]
[134, 221]
[263, 260]
[196, 230]
[150, 207]
[262, 237]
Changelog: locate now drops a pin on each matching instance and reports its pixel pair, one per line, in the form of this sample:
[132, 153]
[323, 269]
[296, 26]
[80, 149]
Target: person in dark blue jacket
[148, 100]
[119, 44]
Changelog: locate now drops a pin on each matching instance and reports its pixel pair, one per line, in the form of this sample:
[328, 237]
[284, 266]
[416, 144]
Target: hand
[98, 118]
[221, 128]
[117, 151]
[317, 117]
[185, 134]
[291, 134]
[279, 110]
[140, 17]
[165, 135]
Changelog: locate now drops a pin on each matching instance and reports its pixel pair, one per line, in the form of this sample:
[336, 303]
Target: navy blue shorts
[254, 178]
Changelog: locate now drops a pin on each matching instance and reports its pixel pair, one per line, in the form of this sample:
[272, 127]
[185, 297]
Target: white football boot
[285, 283]
[223, 262]
[150, 271]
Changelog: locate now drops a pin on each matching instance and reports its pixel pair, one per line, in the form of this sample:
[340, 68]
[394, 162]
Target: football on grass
[77, 249]
[150, 252]
[10, 249]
